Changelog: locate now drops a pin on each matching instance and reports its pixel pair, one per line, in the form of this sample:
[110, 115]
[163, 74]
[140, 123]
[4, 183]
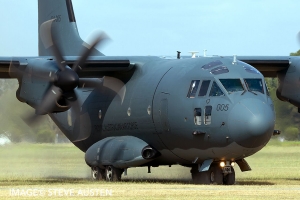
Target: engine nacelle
[289, 83]
[34, 81]
[120, 152]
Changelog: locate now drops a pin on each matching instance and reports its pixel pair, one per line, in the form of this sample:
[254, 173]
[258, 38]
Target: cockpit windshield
[255, 85]
[232, 85]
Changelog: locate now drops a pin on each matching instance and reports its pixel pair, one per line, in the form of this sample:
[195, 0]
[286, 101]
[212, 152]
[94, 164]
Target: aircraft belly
[231, 152]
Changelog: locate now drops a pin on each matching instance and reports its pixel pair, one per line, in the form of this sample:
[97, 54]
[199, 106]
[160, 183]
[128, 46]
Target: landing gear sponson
[104, 167]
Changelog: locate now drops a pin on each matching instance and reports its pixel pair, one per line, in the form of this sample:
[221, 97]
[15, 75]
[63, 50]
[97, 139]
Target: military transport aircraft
[206, 113]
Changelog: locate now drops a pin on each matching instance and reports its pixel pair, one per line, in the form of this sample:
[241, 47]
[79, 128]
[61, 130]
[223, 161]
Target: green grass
[275, 175]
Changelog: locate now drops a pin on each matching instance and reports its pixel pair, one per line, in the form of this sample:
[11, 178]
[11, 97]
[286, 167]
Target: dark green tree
[287, 116]
[295, 53]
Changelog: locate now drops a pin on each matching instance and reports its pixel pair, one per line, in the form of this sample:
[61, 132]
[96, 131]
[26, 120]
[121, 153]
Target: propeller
[65, 80]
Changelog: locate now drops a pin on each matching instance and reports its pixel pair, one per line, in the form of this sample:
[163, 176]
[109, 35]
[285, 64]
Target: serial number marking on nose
[222, 107]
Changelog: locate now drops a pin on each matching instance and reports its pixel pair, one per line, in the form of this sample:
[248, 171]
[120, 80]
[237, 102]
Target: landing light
[222, 164]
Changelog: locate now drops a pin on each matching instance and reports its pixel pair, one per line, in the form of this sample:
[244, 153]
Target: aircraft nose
[251, 123]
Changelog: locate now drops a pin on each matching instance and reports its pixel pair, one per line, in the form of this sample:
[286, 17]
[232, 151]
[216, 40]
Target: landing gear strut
[229, 179]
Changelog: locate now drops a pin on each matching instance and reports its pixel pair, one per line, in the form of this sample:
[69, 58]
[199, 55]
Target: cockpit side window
[215, 90]
[232, 85]
[193, 89]
[204, 88]
[255, 85]
[267, 89]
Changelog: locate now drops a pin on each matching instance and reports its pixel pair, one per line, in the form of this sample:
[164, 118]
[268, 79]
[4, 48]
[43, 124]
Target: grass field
[46, 171]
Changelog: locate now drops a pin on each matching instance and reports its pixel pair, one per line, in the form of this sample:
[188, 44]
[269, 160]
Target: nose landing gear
[217, 174]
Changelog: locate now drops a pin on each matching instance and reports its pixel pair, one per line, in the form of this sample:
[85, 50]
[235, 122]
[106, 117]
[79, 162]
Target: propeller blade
[116, 85]
[81, 123]
[32, 119]
[88, 50]
[90, 82]
[48, 103]
[47, 40]
[15, 70]
[82, 127]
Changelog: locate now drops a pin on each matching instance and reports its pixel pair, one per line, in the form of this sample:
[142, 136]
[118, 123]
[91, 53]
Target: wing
[95, 66]
[269, 66]
[285, 68]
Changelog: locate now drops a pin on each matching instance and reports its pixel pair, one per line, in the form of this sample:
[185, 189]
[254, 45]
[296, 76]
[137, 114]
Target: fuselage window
[212, 64]
[204, 88]
[232, 85]
[255, 85]
[207, 116]
[197, 116]
[215, 90]
[249, 68]
[219, 70]
[193, 89]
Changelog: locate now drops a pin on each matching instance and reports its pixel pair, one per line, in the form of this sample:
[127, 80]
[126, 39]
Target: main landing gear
[110, 173]
[218, 173]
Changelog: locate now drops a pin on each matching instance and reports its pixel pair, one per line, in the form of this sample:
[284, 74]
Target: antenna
[178, 54]
[194, 53]
[234, 60]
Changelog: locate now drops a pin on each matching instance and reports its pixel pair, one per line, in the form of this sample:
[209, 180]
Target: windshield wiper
[249, 89]
[245, 89]
[252, 92]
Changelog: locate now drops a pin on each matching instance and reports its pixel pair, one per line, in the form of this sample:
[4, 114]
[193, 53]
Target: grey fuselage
[156, 108]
